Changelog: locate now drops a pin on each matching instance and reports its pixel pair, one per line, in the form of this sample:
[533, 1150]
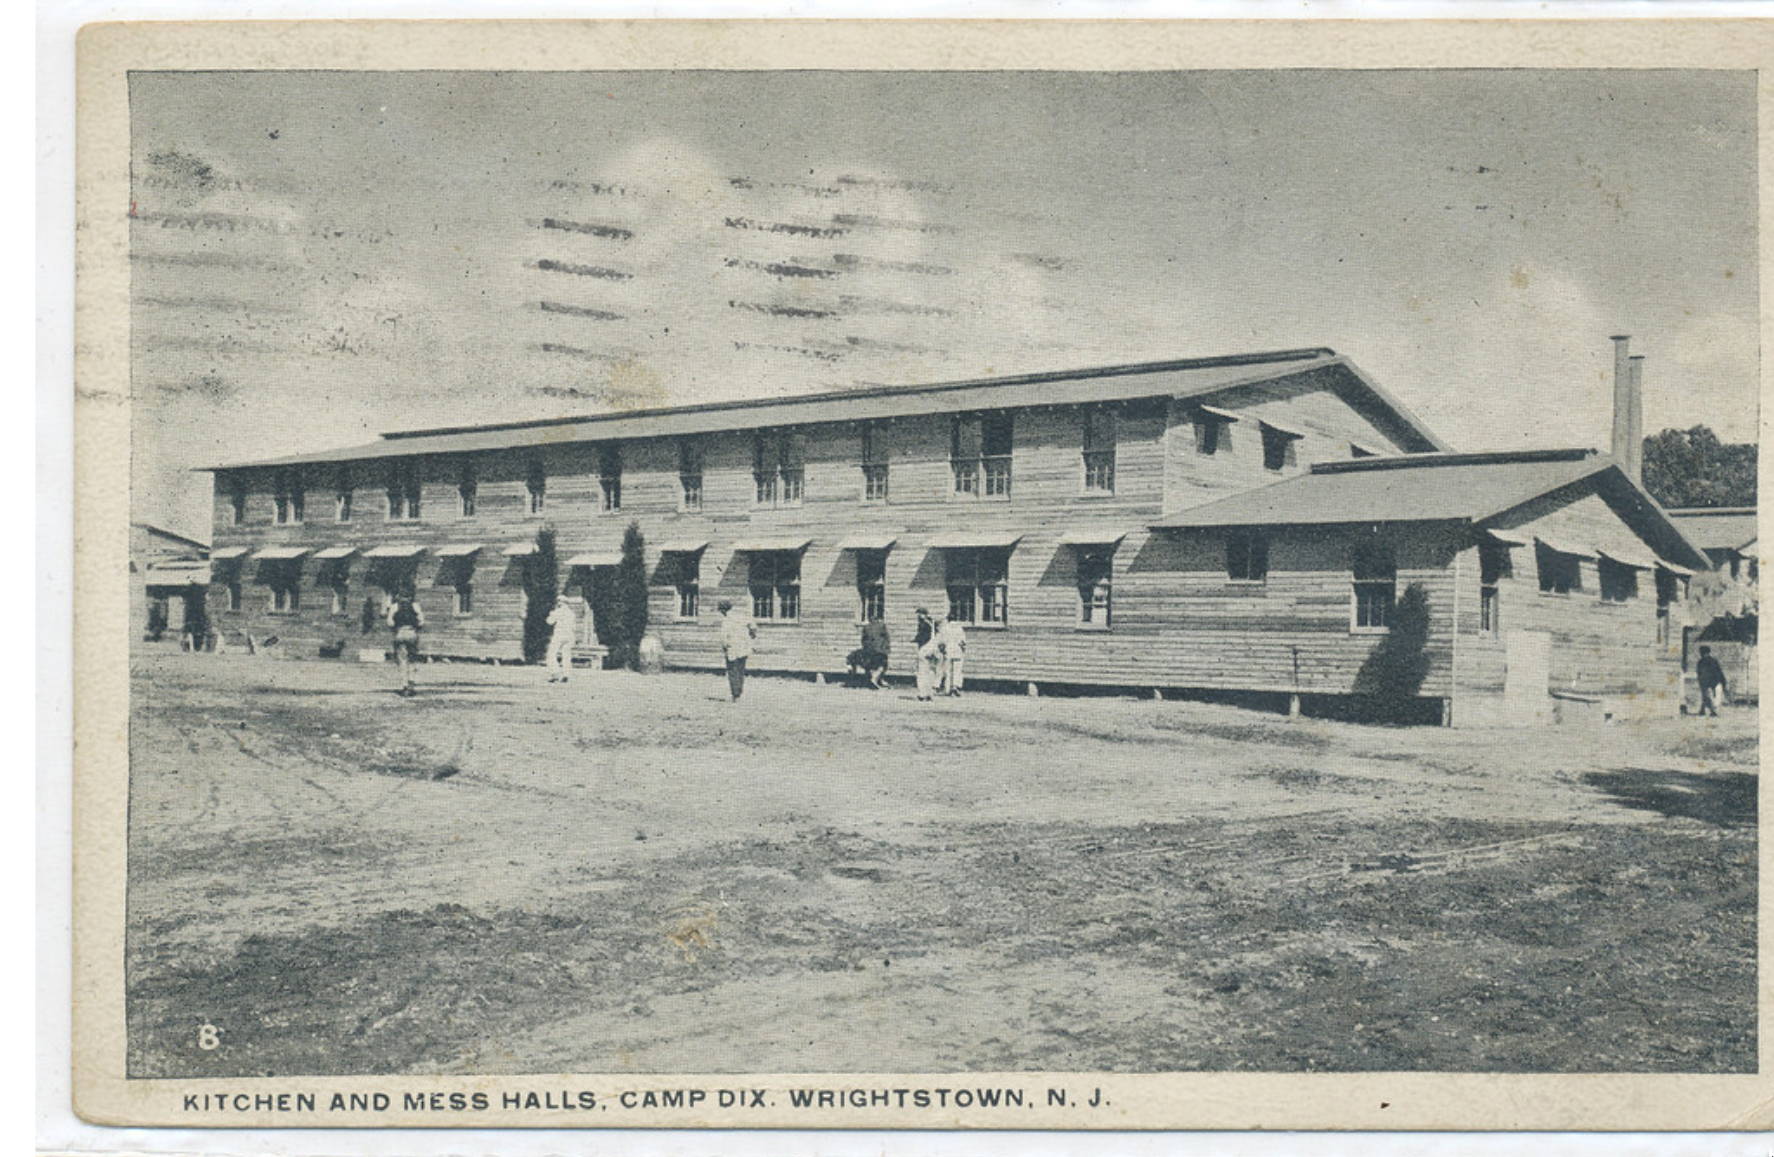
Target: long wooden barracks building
[1226, 524]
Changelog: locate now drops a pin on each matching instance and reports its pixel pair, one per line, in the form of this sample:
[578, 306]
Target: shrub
[629, 600]
[542, 586]
[1386, 687]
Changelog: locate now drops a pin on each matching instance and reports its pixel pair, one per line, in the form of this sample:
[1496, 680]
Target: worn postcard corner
[1031, 576]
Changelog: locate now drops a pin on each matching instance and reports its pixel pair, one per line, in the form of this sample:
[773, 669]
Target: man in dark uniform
[406, 618]
[1712, 682]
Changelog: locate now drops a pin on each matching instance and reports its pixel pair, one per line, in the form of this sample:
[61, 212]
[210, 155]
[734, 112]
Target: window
[467, 491]
[609, 479]
[1560, 573]
[286, 591]
[342, 500]
[1099, 451]
[1208, 437]
[689, 585]
[288, 499]
[1668, 592]
[690, 473]
[1375, 588]
[1278, 447]
[463, 604]
[874, 462]
[778, 468]
[236, 503]
[1618, 582]
[1095, 573]
[403, 492]
[341, 589]
[871, 584]
[1247, 557]
[535, 489]
[1493, 566]
[233, 594]
[775, 580]
[979, 455]
[978, 585]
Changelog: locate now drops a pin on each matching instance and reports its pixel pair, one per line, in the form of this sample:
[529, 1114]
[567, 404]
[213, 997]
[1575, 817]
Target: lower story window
[464, 600]
[1095, 573]
[1489, 606]
[234, 594]
[689, 585]
[286, 596]
[341, 597]
[775, 580]
[978, 582]
[1375, 589]
[871, 584]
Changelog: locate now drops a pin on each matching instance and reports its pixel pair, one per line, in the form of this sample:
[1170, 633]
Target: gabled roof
[1730, 528]
[1466, 488]
[187, 540]
[1191, 378]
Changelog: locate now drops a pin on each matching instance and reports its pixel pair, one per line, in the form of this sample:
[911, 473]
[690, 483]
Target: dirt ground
[632, 874]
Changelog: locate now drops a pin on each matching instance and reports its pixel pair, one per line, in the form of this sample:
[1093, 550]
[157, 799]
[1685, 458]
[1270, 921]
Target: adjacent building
[167, 571]
[1229, 525]
[1724, 608]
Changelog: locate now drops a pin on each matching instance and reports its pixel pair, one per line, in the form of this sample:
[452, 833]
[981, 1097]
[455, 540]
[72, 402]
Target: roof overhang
[684, 546]
[1565, 546]
[975, 540]
[334, 553]
[280, 553]
[173, 576]
[225, 553]
[520, 550]
[869, 542]
[1092, 536]
[595, 558]
[1637, 559]
[394, 552]
[772, 545]
[458, 550]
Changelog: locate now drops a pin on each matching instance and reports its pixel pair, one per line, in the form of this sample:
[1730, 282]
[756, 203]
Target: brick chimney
[1628, 445]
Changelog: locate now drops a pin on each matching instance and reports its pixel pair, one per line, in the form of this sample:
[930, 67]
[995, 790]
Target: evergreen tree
[1386, 687]
[629, 610]
[542, 587]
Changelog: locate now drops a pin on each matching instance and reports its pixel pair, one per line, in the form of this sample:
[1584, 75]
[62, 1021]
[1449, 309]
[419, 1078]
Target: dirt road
[633, 874]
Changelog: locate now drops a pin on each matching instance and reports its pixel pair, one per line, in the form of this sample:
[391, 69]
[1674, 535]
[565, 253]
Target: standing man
[406, 619]
[1712, 682]
[737, 633]
[560, 643]
[928, 656]
[951, 642]
[875, 648]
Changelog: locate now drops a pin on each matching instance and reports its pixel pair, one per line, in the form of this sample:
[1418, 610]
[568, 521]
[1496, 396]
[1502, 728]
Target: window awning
[1559, 547]
[1632, 558]
[1507, 537]
[394, 552]
[1284, 431]
[280, 553]
[1092, 536]
[975, 540]
[520, 550]
[197, 576]
[1672, 568]
[332, 553]
[869, 542]
[225, 553]
[458, 550]
[596, 558]
[685, 546]
[1207, 411]
[756, 545]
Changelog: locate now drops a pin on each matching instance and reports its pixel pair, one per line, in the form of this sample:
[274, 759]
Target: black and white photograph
[836, 572]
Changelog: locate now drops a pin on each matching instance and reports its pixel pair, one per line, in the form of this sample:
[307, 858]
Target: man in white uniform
[560, 643]
[951, 641]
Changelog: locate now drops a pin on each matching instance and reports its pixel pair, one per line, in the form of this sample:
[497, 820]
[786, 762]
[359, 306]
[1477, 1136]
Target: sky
[318, 257]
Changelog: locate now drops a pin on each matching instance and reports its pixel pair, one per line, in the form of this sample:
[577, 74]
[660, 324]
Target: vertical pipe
[1617, 443]
[1634, 459]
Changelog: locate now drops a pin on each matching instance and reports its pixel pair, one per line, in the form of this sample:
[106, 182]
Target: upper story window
[778, 468]
[467, 491]
[288, 498]
[1099, 451]
[1210, 428]
[1375, 588]
[690, 474]
[979, 454]
[236, 502]
[403, 492]
[609, 479]
[774, 577]
[1247, 556]
[535, 489]
[1357, 450]
[342, 497]
[1561, 573]
[1278, 446]
[874, 462]
[978, 582]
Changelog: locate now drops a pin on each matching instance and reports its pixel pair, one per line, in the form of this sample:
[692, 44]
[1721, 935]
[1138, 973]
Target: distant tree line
[1693, 468]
